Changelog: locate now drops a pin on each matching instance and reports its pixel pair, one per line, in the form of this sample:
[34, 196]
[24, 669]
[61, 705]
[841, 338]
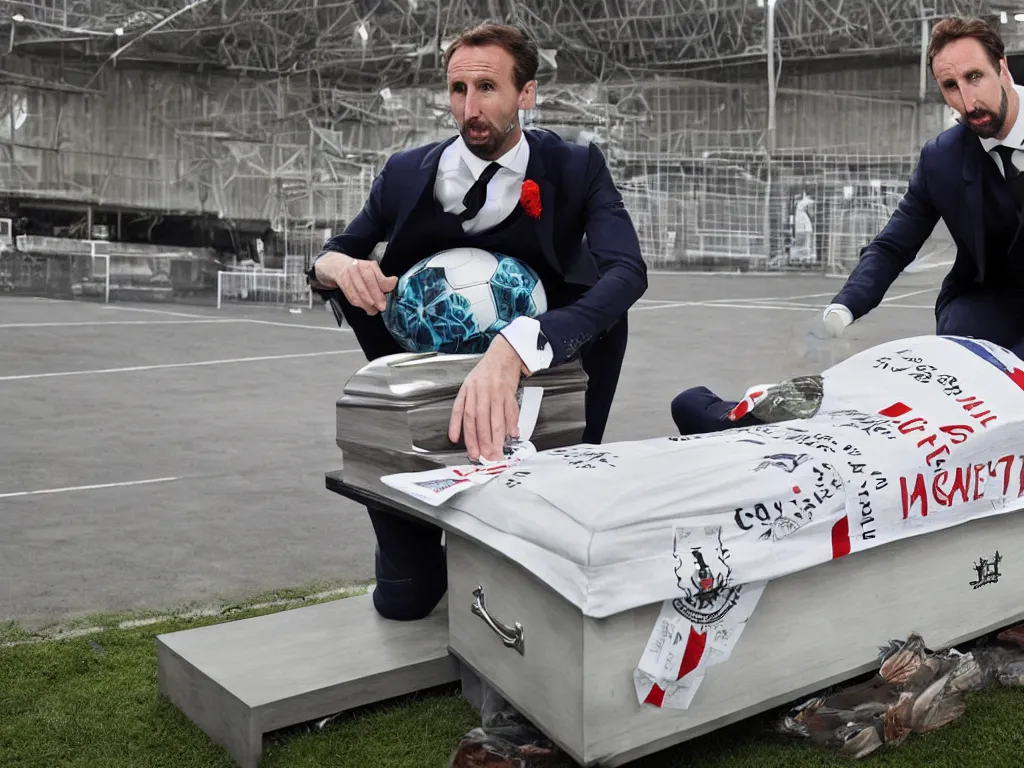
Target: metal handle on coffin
[512, 637]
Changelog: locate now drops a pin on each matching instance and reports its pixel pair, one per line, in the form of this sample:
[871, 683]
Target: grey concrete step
[241, 679]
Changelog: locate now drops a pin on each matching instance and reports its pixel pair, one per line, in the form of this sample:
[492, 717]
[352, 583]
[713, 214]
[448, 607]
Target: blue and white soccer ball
[457, 301]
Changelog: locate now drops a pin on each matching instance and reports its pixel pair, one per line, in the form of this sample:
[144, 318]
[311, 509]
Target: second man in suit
[466, 192]
[972, 177]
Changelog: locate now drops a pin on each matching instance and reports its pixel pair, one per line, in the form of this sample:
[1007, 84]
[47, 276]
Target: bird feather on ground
[913, 691]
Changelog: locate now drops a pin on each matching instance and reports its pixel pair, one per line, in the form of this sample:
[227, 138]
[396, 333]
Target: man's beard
[996, 121]
[489, 147]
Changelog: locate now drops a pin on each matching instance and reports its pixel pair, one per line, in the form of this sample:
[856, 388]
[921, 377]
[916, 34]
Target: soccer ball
[457, 301]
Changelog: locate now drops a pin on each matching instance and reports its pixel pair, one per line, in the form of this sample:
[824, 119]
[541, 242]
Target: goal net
[263, 286]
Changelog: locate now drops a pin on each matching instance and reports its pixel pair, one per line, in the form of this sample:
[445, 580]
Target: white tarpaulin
[910, 437]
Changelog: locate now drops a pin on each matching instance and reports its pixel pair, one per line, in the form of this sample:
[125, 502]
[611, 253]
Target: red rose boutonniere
[529, 198]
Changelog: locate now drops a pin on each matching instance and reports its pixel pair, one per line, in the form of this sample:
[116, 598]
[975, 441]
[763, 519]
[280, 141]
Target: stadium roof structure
[390, 43]
[1011, 20]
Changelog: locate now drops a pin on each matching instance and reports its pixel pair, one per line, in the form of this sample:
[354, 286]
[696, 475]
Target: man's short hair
[957, 28]
[511, 38]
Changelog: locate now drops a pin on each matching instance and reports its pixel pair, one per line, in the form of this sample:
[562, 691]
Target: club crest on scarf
[703, 574]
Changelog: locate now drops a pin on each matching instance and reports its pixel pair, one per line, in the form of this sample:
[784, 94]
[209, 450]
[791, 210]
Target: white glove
[836, 318]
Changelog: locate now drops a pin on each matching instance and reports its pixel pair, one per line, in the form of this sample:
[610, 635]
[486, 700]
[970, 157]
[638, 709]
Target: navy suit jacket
[604, 275]
[946, 184]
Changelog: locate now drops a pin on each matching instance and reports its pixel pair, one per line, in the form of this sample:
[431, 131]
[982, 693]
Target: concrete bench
[241, 679]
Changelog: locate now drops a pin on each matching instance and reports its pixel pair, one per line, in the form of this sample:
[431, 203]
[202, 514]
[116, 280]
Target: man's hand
[361, 280]
[485, 410]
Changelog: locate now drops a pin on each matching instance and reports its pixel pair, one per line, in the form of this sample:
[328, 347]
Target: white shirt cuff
[525, 336]
[836, 317]
[842, 311]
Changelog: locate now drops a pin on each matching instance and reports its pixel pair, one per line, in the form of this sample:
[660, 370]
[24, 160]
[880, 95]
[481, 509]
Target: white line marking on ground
[792, 307]
[239, 320]
[784, 307]
[666, 305]
[741, 299]
[112, 308]
[912, 269]
[163, 366]
[930, 307]
[887, 299]
[69, 489]
[773, 299]
[924, 261]
[880, 306]
[722, 305]
[334, 328]
[121, 322]
[733, 274]
[921, 260]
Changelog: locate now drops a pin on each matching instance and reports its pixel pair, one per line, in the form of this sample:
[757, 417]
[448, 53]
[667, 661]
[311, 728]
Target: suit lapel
[545, 227]
[1017, 188]
[973, 154]
[422, 178]
[1019, 235]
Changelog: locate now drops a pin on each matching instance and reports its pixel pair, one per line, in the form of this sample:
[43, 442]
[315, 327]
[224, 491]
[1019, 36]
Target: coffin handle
[512, 637]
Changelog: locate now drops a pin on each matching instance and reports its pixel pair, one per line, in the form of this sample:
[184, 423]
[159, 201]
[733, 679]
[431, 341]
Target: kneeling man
[465, 192]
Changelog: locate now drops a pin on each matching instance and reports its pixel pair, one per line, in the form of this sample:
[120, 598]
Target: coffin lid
[412, 376]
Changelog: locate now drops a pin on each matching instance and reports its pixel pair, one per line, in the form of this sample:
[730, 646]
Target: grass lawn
[92, 701]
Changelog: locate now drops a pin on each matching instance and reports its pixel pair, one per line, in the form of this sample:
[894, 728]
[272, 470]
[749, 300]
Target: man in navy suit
[970, 176]
[465, 192]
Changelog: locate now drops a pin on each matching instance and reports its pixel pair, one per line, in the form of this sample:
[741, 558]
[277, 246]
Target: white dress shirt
[457, 171]
[1014, 139]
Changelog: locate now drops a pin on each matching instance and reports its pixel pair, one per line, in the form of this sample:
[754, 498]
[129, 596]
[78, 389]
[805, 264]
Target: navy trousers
[410, 563]
[698, 411]
[998, 318]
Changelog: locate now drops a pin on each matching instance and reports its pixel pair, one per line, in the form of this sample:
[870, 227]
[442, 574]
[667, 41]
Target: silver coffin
[393, 415]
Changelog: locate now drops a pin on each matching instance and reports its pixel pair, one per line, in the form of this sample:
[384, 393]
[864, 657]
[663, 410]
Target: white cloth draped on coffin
[912, 436]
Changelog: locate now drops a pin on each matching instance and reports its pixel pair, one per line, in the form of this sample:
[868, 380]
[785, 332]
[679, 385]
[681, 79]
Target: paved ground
[208, 433]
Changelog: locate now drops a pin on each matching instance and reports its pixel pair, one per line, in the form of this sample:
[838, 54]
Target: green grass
[92, 702]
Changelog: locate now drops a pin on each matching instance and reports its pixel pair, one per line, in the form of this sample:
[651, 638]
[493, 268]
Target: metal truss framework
[298, 101]
[378, 43]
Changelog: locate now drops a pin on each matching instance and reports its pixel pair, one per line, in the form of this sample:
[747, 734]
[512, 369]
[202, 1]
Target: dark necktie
[477, 195]
[1012, 173]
